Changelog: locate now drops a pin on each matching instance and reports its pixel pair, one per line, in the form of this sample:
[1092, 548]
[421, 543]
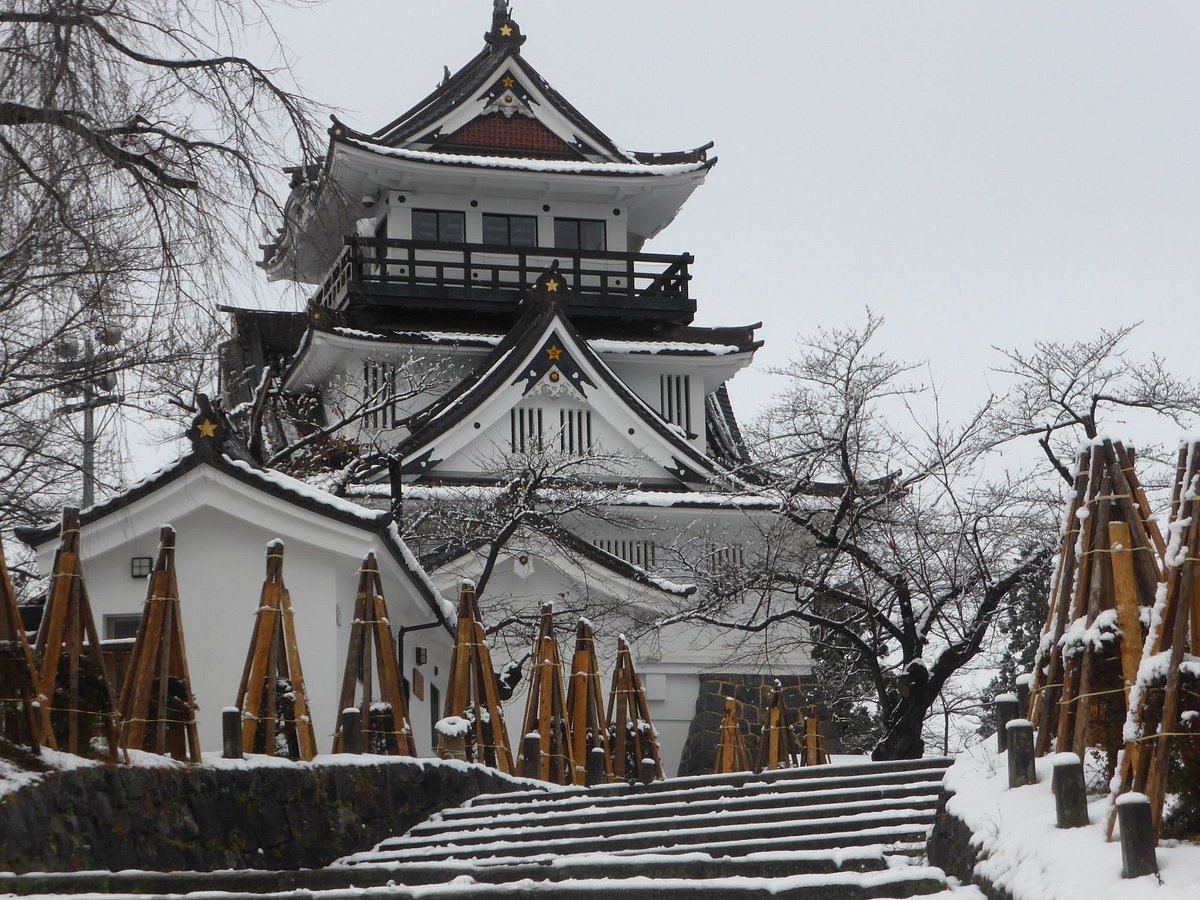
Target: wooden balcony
[419, 275]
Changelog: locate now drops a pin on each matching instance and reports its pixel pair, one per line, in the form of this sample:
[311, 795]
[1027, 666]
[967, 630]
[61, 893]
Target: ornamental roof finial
[504, 32]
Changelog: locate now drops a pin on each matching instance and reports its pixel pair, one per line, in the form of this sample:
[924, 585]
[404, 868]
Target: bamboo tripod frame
[158, 689]
[472, 691]
[272, 663]
[816, 747]
[1177, 633]
[778, 748]
[1109, 562]
[20, 726]
[585, 703]
[66, 622]
[731, 755]
[372, 629]
[632, 737]
[545, 708]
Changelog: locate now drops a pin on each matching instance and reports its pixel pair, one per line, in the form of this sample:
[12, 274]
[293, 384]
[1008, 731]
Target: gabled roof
[545, 344]
[213, 446]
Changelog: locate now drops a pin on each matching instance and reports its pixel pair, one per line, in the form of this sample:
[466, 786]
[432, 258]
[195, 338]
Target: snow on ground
[1027, 855]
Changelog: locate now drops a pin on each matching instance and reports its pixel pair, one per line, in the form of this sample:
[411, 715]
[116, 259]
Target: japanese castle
[484, 319]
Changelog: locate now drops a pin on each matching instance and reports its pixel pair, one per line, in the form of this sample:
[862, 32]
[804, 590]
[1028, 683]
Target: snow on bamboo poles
[18, 675]
[585, 705]
[472, 692]
[384, 724]
[778, 748]
[545, 708]
[731, 755]
[816, 747]
[631, 734]
[74, 689]
[1107, 575]
[158, 689]
[1164, 713]
[271, 696]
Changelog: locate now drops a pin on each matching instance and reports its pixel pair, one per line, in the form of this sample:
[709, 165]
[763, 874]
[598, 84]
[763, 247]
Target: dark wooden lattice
[74, 688]
[731, 755]
[158, 711]
[385, 727]
[779, 748]
[18, 675]
[545, 708]
[1168, 682]
[271, 696]
[471, 691]
[631, 734]
[585, 702]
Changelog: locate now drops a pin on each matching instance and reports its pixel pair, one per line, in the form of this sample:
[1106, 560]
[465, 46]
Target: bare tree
[1064, 393]
[889, 546]
[136, 146]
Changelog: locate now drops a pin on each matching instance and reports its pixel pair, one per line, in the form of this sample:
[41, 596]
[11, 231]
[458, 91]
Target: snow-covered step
[798, 791]
[679, 805]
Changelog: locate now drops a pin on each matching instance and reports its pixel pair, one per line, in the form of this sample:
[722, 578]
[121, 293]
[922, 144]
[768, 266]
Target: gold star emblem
[509, 81]
[337, 132]
[552, 286]
[554, 353]
[207, 429]
[506, 31]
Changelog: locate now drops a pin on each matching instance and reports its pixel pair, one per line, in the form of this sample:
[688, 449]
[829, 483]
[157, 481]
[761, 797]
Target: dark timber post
[1070, 794]
[649, 770]
[1137, 836]
[595, 767]
[1007, 709]
[1023, 683]
[531, 756]
[1021, 770]
[231, 732]
[352, 730]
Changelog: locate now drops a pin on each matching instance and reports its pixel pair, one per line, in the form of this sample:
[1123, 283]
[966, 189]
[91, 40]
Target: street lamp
[96, 392]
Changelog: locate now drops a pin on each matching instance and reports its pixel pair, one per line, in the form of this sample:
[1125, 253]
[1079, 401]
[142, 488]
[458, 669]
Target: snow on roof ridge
[528, 164]
[306, 491]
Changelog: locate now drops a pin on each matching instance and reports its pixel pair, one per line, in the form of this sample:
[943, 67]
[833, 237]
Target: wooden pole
[272, 693]
[158, 687]
[779, 747]
[731, 753]
[371, 628]
[631, 733]
[585, 704]
[22, 726]
[545, 709]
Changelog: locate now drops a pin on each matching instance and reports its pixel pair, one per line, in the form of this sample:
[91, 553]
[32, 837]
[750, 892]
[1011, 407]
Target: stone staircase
[839, 832]
[822, 833]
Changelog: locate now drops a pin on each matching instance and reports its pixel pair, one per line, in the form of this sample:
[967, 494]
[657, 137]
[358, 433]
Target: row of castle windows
[450, 227]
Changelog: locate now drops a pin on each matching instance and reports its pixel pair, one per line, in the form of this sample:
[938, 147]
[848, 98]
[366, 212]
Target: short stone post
[1007, 709]
[1070, 793]
[1021, 768]
[231, 732]
[595, 767]
[1137, 836]
[451, 736]
[531, 753]
[648, 771]
[351, 730]
[1023, 686]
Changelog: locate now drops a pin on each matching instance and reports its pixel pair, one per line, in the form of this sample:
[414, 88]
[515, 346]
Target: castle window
[117, 628]
[674, 400]
[510, 231]
[580, 234]
[575, 431]
[525, 423]
[379, 395]
[440, 225]
[637, 553]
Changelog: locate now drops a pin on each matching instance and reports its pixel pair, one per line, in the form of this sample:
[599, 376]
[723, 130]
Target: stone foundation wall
[753, 692]
[203, 818]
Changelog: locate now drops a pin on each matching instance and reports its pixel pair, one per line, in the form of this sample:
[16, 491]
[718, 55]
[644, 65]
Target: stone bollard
[455, 746]
[1021, 770]
[1024, 683]
[531, 755]
[1007, 709]
[1070, 793]
[351, 730]
[648, 771]
[596, 773]
[1137, 836]
[231, 732]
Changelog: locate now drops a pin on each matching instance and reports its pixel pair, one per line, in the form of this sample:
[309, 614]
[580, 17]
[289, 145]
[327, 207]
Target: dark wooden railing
[420, 274]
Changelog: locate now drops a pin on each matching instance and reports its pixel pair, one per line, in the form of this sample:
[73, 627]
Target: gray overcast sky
[978, 173]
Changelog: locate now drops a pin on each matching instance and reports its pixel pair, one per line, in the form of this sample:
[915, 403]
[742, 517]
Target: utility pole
[92, 400]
